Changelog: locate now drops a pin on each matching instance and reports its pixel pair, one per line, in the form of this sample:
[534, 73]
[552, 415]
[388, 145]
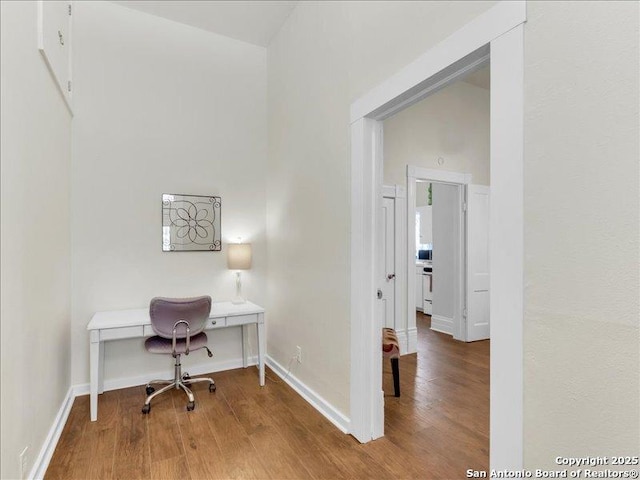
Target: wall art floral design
[190, 223]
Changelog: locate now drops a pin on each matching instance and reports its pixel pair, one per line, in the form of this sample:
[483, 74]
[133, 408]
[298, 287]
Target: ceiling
[480, 78]
[254, 22]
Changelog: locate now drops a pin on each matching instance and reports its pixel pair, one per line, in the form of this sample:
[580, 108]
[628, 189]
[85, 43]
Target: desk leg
[101, 368]
[262, 346]
[245, 346]
[94, 367]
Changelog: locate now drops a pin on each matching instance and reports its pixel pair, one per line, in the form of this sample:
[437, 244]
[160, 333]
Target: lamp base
[238, 301]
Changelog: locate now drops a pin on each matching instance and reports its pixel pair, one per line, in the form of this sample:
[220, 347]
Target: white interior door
[477, 262]
[445, 316]
[388, 281]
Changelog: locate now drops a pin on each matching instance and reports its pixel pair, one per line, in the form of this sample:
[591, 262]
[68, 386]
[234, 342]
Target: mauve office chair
[179, 325]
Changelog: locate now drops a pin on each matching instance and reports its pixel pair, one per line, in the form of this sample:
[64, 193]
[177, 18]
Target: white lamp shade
[239, 256]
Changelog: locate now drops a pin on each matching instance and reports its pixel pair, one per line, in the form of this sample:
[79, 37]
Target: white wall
[160, 108]
[35, 156]
[582, 241]
[452, 124]
[326, 55]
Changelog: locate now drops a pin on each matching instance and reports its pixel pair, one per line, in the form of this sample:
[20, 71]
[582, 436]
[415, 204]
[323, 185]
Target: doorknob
[391, 276]
[379, 294]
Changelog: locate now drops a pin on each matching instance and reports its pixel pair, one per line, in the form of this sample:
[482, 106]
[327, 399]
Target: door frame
[415, 173]
[500, 30]
[399, 194]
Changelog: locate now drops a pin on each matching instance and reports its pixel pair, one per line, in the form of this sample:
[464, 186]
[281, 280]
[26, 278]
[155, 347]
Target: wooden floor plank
[132, 441]
[203, 455]
[243, 462]
[165, 441]
[437, 428]
[171, 469]
[278, 458]
[101, 436]
[69, 449]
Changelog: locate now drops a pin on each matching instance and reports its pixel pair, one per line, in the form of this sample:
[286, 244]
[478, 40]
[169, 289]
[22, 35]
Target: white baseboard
[412, 340]
[198, 369]
[442, 324]
[402, 341]
[48, 447]
[316, 401]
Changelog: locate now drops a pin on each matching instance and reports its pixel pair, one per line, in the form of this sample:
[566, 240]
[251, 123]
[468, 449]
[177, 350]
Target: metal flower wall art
[190, 223]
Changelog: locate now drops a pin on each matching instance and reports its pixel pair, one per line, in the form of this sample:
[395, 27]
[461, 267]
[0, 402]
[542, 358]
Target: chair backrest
[165, 312]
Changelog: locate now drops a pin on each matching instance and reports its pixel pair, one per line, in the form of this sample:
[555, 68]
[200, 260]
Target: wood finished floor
[438, 428]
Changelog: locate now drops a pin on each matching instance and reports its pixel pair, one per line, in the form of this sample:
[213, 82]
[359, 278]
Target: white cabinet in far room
[427, 293]
[419, 297]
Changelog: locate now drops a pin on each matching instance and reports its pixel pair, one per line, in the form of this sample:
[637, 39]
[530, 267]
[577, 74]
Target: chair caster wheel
[146, 409]
[212, 388]
[191, 406]
[186, 376]
[150, 390]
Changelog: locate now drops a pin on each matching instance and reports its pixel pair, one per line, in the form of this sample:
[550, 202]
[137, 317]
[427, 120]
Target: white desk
[116, 325]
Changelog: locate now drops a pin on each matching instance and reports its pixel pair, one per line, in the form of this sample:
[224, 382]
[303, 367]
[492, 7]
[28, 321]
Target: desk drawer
[216, 323]
[122, 332]
[242, 320]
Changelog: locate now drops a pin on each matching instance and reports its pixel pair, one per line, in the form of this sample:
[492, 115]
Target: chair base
[179, 381]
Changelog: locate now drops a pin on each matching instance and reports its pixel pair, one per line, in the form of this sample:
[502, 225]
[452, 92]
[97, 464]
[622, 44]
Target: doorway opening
[444, 380]
[500, 31]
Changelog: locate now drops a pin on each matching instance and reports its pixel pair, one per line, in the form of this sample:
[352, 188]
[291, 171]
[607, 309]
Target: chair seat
[391, 350]
[164, 345]
[390, 344]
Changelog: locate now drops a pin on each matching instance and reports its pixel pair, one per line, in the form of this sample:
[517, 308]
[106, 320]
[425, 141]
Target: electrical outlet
[22, 458]
[299, 354]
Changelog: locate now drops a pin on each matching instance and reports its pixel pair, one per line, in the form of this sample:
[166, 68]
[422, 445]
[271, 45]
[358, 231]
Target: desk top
[140, 316]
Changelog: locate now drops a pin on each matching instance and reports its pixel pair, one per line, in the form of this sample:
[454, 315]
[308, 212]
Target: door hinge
[464, 313]
[69, 85]
[464, 207]
[69, 9]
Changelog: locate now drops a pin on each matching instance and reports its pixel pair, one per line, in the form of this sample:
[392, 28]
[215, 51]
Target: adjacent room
[211, 210]
[437, 150]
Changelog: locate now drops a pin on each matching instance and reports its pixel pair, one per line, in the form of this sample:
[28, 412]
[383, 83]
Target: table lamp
[239, 258]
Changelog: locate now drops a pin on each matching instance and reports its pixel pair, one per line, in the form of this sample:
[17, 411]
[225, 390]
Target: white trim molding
[412, 340]
[498, 31]
[389, 191]
[134, 381]
[474, 35]
[403, 341]
[442, 324]
[48, 447]
[316, 401]
[506, 251]
[414, 172]
[367, 396]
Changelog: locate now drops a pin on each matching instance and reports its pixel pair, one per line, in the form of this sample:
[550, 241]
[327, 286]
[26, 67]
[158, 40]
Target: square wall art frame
[191, 223]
